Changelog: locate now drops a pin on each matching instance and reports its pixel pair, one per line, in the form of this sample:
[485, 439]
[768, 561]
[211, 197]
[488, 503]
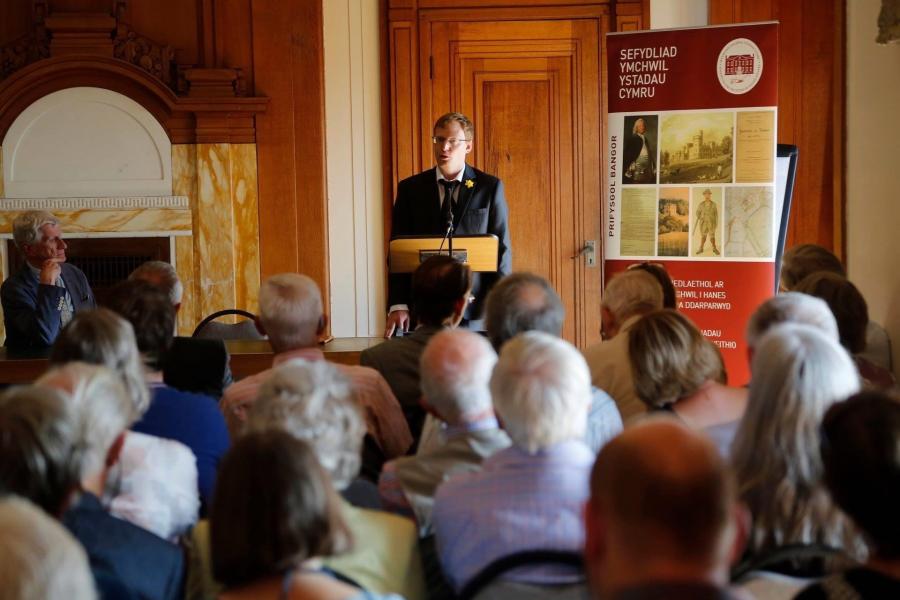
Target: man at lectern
[453, 190]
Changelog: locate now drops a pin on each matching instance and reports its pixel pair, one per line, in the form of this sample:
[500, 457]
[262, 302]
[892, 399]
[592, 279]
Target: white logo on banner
[740, 66]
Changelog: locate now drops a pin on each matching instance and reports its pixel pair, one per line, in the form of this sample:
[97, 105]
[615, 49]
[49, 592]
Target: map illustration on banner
[691, 170]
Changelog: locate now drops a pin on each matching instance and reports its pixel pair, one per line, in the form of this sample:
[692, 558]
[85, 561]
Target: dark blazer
[31, 310]
[397, 360]
[197, 365]
[417, 211]
[148, 565]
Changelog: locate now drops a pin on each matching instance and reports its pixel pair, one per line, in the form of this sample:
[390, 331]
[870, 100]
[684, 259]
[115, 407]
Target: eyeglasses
[440, 141]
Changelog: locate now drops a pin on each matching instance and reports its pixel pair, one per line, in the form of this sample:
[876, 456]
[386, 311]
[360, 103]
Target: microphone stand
[448, 215]
[448, 236]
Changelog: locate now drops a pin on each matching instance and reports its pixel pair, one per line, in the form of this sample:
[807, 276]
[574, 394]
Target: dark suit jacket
[197, 365]
[31, 310]
[417, 211]
[398, 362]
[148, 565]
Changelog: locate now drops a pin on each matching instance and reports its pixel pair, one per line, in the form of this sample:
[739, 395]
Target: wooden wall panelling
[15, 19]
[811, 106]
[234, 40]
[288, 68]
[631, 16]
[405, 93]
[175, 22]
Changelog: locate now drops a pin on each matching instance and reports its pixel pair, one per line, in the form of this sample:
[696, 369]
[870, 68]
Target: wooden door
[532, 88]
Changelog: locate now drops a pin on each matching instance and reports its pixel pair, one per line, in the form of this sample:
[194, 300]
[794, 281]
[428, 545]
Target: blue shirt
[195, 421]
[516, 502]
[604, 421]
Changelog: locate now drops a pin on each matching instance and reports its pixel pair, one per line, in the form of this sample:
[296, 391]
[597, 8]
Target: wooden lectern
[407, 252]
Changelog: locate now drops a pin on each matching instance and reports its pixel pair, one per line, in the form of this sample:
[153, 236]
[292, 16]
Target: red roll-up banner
[691, 170]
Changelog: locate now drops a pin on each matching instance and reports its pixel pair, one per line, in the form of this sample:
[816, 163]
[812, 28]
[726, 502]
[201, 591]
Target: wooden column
[288, 68]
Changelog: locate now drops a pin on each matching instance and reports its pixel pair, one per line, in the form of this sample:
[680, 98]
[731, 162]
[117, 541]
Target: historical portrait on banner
[639, 160]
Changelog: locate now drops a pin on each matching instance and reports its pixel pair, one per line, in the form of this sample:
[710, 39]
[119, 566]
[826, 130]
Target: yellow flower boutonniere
[470, 183]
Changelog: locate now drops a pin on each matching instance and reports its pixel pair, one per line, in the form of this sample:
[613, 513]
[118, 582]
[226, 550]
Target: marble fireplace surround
[110, 217]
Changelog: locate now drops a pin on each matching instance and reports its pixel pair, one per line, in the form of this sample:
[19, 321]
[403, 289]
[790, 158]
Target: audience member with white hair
[40, 559]
[313, 401]
[663, 519]
[797, 374]
[44, 294]
[529, 496]
[527, 302]
[627, 297]
[677, 369]
[789, 307]
[291, 314]
[455, 374]
[154, 483]
[148, 565]
[191, 364]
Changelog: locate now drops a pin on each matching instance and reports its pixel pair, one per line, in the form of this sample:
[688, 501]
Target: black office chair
[209, 328]
[487, 586]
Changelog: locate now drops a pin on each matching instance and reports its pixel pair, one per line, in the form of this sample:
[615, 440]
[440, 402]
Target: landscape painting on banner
[691, 170]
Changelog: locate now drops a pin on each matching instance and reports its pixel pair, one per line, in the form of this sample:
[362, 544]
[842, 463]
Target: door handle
[589, 252]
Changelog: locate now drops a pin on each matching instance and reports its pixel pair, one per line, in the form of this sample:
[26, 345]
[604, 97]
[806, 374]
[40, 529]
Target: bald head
[455, 375]
[663, 491]
[290, 310]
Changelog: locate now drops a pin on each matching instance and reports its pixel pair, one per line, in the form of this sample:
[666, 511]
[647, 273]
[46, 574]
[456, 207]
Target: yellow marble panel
[221, 182]
[106, 220]
[184, 183]
[245, 204]
[214, 227]
[188, 315]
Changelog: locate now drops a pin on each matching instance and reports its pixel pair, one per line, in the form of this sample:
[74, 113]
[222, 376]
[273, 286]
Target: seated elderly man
[530, 495]
[44, 294]
[526, 302]
[663, 519]
[441, 288]
[313, 401]
[190, 364]
[40, 558]
[291, 314]
[627, 297]
[456, 371]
